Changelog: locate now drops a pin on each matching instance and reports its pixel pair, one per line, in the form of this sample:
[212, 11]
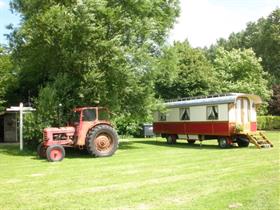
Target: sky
[202, 22]
[6, 18]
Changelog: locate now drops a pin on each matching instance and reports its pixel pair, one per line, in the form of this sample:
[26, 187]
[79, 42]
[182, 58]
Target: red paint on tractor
[56, 154]
[50, 133]
[82, 131]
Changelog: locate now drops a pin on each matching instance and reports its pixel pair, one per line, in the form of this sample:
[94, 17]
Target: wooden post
[22, 110]
[21, 125]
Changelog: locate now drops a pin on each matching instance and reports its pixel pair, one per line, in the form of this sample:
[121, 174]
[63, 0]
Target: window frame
[181, 112]
[207, 116]
[162, 116]
[86, 117]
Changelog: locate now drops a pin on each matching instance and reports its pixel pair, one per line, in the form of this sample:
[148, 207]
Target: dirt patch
[235, 205]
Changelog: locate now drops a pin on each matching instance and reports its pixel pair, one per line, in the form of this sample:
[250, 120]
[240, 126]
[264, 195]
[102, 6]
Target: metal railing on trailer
[200, 97]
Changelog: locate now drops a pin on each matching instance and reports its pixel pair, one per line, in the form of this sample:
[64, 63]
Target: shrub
[127, 126]
[48, 110]
[268, 122]
[45, 116]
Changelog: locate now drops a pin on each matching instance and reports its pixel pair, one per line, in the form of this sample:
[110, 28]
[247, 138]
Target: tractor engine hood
[60, 130]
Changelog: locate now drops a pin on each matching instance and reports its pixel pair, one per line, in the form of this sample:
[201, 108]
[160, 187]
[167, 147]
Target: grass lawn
[144, 174]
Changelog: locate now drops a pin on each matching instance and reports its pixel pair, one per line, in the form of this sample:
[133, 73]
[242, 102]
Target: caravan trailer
[229, 118]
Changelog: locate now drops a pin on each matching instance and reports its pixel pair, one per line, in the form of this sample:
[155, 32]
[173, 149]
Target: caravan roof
[212, 99]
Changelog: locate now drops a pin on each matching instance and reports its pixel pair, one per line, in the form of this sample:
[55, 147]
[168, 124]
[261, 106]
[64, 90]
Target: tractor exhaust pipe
[59, 112]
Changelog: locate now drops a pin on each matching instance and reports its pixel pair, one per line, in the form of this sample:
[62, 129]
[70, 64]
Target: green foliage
[7, 78]
[126, 125]
[104, 48]
[268, 122]
[183, 71]
[263, 37]
[274, 103]
[239, 128]
[46, 115]
[240, 71]
[80, 53]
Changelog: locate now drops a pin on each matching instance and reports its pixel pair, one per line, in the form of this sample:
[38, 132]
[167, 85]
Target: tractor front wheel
[55, 153]
[102, 141]
[41, 150]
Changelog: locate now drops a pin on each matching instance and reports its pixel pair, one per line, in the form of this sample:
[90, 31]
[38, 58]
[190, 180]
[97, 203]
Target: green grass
[144, 174]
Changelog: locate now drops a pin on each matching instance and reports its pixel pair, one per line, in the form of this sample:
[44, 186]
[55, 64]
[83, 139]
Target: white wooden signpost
[22, 110]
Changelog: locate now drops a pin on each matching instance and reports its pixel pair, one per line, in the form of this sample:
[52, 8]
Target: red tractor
[89, 128]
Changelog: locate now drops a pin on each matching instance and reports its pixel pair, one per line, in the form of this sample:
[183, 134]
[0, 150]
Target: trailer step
[259, 139]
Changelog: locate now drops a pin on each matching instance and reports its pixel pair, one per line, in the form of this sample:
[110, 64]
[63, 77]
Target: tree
[105, 47]
[182, 72]
[263, 37]
[274, 103]
[7, 73]
[240, 71]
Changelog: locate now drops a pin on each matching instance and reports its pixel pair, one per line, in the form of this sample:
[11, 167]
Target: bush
[33, 131]
[48, 111]
[268, 122]
[45, 116]
[127, 126]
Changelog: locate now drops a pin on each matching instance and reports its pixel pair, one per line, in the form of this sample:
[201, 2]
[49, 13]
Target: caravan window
[212, 113]
[185, 113]
[162, 117]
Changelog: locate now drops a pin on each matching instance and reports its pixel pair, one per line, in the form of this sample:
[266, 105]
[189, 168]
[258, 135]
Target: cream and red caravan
[229, 118]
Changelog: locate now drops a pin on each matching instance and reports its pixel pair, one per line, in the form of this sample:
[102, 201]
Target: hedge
[268, 122]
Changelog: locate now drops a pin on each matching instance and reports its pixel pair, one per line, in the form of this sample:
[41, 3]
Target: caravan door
[242, 108]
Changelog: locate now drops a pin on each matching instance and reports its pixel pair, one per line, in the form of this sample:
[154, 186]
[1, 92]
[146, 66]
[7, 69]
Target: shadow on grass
[192, 146]
[178, 145]
[13, 150]
[76, 153]
[73, 153]
[127, 145]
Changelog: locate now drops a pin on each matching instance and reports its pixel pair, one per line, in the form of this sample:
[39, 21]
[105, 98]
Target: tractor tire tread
[93, 133]
[49, 151]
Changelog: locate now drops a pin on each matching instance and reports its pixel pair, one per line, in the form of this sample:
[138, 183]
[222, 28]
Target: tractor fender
[85, 128]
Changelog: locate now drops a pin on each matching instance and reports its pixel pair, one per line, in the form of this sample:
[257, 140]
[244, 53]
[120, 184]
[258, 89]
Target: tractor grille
[45, 136]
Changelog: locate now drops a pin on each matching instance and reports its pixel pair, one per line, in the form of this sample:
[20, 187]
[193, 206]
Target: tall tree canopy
[101, 49]
[183, 71]
[263, 37]
[240, 71]
[8, 75]
[274, 103]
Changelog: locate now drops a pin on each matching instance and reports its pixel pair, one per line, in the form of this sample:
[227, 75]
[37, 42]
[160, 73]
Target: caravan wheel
[223, 142]
[171, 139]
[191, 141]
[242, 141]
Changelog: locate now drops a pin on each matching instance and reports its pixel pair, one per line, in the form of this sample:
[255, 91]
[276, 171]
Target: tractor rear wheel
[55, 153]
[102, 141]
[41, 150]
